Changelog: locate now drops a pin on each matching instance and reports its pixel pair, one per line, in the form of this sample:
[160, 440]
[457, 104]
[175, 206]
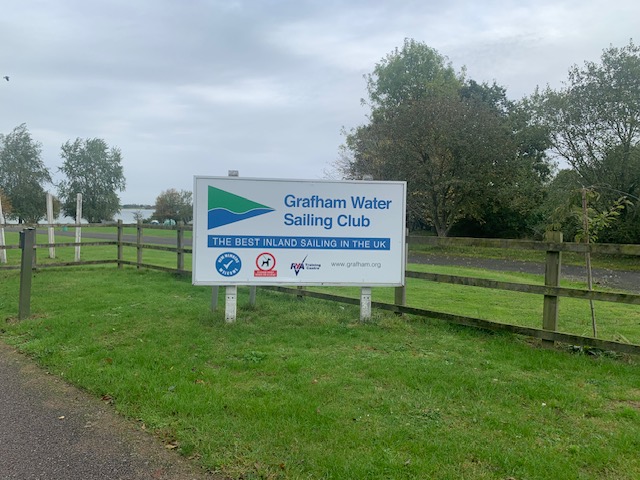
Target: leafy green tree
[409, 74]
[94, 170]
[174, 205]
[595, 118]
[594, 122]
[6, 206]
[458, 144]
[23, 175]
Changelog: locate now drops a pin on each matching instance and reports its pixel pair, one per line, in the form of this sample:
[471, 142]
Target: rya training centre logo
[225, 208]
[303, 265]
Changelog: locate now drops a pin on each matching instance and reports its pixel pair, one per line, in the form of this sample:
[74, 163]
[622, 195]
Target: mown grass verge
[300, 389]
[618, 322]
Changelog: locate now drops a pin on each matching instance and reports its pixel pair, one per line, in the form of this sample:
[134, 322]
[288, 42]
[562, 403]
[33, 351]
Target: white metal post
[52, 239]
[231, 300]
[365, 304]
[230, 304]
[78, 229]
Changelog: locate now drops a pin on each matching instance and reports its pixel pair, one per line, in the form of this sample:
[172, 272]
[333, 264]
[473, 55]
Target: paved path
[52, 431]
[627, 280]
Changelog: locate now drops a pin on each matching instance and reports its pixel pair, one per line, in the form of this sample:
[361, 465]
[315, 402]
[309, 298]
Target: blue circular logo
[228, 264]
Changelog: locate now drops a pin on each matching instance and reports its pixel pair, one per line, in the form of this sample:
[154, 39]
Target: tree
[594, 122]
[138, 216]
[6, 207]
[439, 146]
[412, 73]
[586, 221]
[94, 170]
[595, 118]
[174, 205]
[458, 144]
[23, 175]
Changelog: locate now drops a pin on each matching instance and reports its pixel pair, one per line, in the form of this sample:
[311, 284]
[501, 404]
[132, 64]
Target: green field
[301, 389]
[618, 322]
[89, 253]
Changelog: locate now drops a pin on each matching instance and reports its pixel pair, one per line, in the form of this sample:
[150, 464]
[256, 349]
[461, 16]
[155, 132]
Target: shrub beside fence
[551, 290]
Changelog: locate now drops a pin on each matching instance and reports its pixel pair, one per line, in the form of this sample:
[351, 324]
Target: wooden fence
[551, 290]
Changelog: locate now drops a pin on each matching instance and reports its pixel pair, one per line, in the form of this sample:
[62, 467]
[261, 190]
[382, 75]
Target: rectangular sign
[298, 232]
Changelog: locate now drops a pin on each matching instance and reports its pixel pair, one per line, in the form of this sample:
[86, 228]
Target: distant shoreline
[133, 206]
[125, 214]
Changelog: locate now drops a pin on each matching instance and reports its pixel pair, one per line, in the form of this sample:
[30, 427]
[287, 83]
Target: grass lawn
[615, 321]
[300, 389]
[107, 252]
[619, 322]
[148, 231]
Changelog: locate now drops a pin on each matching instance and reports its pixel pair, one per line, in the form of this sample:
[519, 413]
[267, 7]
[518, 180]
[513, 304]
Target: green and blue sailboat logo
[225, 208]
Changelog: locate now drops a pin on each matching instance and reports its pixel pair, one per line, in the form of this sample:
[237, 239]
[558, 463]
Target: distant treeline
[138, 205]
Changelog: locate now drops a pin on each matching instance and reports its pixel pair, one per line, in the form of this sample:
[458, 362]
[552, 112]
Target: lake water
[126, 215]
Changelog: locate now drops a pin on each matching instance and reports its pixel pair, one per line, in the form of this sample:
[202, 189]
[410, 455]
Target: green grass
[300, 389]
[619, 322]
[89, 253]
[615, 321]
[148, 231]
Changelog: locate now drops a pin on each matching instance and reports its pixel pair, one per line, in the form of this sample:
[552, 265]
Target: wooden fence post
[401, 292]
[180, 247]
[551, 279]
[3, 252]
[119, 240]
[139, 244]
[27, 240]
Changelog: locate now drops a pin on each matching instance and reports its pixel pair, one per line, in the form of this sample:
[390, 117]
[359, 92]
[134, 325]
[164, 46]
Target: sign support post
[365, 304]
[231, 303]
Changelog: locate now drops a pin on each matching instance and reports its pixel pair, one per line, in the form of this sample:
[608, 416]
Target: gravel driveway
[626, 280]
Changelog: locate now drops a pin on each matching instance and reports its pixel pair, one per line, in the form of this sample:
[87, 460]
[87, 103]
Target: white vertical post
[365, 292]
[365, 304]
[231, 301]
[78, 228]
[3, 252]
[52, 239]
[230, 304]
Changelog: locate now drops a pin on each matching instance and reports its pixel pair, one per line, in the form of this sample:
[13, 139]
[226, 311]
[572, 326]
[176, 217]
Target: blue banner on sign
[310, 243]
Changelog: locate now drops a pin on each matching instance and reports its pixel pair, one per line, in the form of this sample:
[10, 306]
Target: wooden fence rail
[553, 246]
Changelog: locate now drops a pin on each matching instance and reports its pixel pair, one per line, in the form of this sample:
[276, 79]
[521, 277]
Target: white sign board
[298, 232]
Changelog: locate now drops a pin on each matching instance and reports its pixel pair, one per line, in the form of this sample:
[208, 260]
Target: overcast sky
[201, 87]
